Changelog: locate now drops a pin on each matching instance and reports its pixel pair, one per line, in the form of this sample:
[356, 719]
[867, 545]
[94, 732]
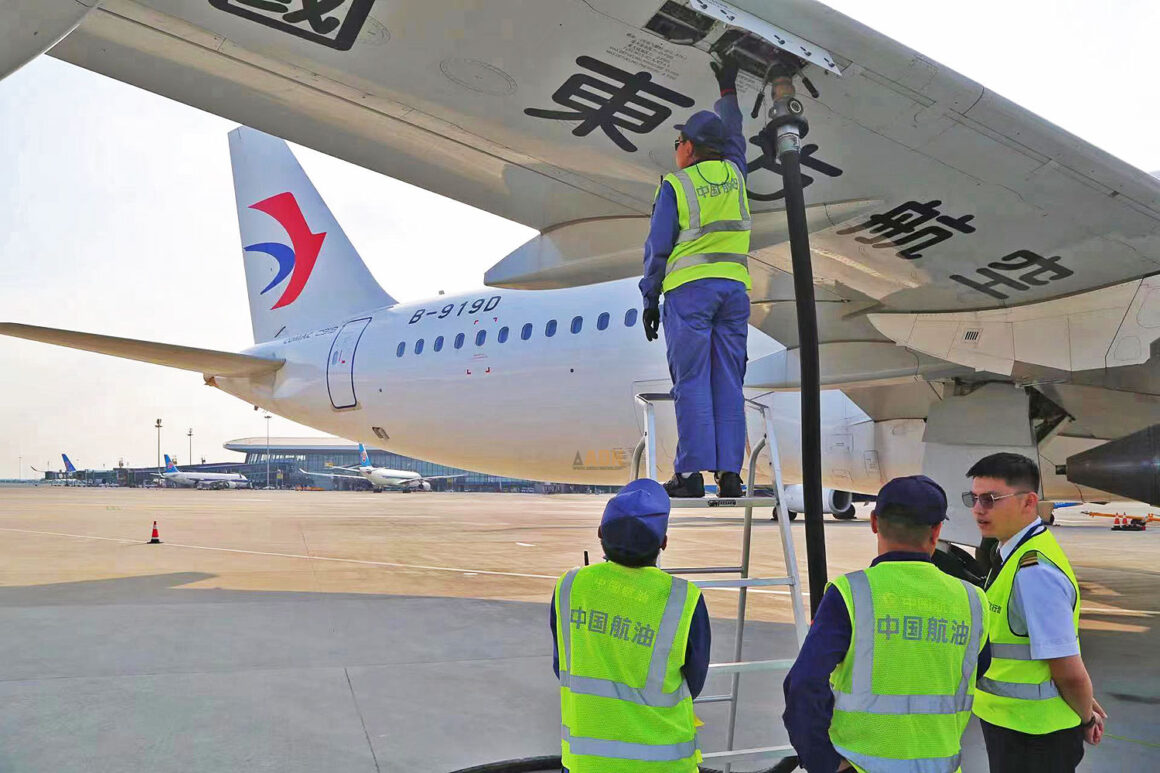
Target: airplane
[71, 475]
[382, 477]
[202, 480]
[985, 281]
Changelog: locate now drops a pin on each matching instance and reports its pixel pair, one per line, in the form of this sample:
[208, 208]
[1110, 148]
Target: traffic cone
[155, 539]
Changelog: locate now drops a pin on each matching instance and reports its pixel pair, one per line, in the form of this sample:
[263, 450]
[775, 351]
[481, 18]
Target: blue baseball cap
[704, 127]
[918, 494]
[636, 519]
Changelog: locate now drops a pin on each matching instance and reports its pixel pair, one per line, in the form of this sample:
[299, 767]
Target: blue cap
[704, 127]
[918, 494]
[636, 519]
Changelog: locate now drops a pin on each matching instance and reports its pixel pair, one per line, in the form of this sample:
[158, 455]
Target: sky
[117, 216]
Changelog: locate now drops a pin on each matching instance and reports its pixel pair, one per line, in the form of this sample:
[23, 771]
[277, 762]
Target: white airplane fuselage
[196, 479]
[557, 408]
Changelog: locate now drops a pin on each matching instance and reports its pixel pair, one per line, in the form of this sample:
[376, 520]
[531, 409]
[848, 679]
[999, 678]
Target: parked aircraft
[985, 280]
[382, 477]
[202, 480]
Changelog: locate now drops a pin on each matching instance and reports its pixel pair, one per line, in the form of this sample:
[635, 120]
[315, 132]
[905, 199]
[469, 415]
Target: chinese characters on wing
[333, 23]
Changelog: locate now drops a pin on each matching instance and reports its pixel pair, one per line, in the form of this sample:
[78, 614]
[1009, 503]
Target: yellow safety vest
[903, 692]
[1017, 692]
[713, 216]
[621, 634]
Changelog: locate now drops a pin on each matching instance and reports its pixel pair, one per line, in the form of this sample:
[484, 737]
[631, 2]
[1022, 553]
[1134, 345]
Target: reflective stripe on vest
[924, 765]
[653, 692]
[862, 697]
[705, 257]
[1020, 690]
[599, 747]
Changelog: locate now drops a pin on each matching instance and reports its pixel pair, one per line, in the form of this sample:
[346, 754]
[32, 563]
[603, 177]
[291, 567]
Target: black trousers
[1010, 751]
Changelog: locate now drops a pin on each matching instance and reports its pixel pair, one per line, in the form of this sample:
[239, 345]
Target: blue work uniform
[706, 324]
[809, 700]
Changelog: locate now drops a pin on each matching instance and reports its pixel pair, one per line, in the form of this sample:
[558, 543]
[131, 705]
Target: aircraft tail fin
[169, 465]
[301, 270]
[68, 465]
[364, 459]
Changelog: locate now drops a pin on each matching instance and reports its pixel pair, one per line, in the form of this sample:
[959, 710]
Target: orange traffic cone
[155, 539]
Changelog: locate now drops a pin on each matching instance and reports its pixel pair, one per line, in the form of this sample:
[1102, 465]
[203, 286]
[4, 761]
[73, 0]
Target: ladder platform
[746, 666]
[741, 502]
[760, 751]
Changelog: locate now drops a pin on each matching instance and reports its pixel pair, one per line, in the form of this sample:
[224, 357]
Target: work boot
[681, 487]
[728, 485]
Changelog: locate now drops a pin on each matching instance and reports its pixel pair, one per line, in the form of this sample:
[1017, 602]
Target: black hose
[811, 388]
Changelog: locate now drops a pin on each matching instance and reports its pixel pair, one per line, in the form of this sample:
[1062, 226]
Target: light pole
[267, 418]
[158, 426]
[190, 436]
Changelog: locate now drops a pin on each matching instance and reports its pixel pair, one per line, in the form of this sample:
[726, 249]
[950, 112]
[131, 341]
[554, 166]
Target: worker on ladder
[631, 647]
[697, 255]
[886, 676]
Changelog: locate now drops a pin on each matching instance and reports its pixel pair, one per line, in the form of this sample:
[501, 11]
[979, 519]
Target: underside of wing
[560, 115]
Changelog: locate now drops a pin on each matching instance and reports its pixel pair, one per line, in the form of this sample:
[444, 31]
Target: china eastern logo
[295, 261]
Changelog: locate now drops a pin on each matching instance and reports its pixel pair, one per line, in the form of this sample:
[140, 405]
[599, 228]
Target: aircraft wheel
[846, 515]
[792, 516]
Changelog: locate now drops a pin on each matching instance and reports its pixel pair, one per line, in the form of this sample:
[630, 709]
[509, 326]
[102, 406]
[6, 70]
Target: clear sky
[117, 216]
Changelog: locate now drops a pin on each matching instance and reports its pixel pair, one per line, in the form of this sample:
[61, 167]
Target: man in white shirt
[1035, 701]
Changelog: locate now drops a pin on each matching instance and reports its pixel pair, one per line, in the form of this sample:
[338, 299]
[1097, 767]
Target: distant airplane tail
[301, 270]
[68, 466]
[169, 465]
[364, 459]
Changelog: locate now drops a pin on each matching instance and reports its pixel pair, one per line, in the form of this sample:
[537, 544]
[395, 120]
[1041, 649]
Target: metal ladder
[647, 446]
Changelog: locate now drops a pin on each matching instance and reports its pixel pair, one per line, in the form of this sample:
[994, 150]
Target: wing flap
[206, 361]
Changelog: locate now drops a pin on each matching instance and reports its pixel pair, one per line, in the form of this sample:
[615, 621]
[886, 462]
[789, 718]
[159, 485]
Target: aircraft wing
[205, 361]
[441, 477]
[928, 192]
[332, 475]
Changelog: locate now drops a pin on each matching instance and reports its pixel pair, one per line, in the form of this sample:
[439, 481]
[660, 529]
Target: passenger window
[630, 318]
[419, 346]
[526, 333]
[459, 341]
[550, 328]
[402, 348]
[438, 345]
[577, 324]
[602, 321]
[480, 337]
[503, 334]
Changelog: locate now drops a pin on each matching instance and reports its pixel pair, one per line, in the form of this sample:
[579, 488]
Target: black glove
[652, 323]
[726, 73]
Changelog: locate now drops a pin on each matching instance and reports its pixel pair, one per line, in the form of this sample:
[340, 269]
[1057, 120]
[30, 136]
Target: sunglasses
[987, 500]
[677, 142]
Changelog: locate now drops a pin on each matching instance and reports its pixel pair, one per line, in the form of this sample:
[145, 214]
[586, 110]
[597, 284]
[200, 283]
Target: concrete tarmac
[299, 631]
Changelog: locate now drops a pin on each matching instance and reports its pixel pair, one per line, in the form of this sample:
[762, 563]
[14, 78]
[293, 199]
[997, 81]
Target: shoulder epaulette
[1030, 558]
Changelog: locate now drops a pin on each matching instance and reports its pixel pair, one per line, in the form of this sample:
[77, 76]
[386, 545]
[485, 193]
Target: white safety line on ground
[393, 565]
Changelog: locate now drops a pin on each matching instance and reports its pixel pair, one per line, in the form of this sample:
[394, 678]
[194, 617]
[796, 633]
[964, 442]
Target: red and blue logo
[297, 261]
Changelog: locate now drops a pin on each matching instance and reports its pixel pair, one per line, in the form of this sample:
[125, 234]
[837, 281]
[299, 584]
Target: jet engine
[1128, 467]
[840, 504]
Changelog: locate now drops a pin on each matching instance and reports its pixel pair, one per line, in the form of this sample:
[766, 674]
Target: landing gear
[792, 516]
[846, 515]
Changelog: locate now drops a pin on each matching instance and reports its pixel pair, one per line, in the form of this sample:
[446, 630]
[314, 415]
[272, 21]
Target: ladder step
[746, 666]
[711, 502]
[705, 570]
[748, 582]
[760, 751]
[713, 699]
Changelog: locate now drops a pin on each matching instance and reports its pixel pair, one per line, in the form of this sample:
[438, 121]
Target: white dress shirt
[1041, 604]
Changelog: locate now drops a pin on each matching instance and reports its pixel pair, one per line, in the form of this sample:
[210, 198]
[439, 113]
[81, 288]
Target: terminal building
[279, 462]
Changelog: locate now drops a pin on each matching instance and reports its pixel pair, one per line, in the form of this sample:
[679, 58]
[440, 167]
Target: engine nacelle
[1128, 467]
[834, 502]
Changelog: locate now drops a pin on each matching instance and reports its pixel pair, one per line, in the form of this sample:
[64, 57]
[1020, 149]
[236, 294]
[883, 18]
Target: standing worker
[885, 677]
[697, 253]
[1036, 702]
[633, 650]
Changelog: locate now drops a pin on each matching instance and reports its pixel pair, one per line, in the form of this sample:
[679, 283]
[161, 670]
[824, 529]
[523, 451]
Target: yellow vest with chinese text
[714, 223]
[621, 634]
[903, 693]
[1017, 692]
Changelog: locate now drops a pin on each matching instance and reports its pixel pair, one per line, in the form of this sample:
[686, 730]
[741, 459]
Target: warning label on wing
[650, 54]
